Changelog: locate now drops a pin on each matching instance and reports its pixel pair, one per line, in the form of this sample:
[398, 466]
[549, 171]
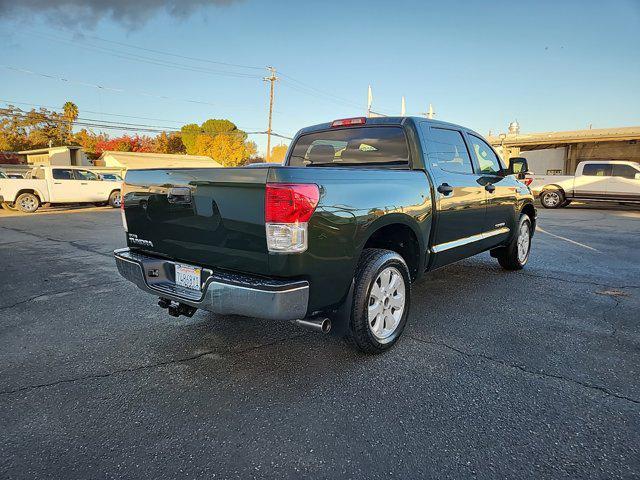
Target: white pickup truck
[58, 185]
[594, 181]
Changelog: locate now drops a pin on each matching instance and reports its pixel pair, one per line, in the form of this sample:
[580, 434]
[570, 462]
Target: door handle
[490, 188]
[57, 183]
[445, 189]
[84, 183]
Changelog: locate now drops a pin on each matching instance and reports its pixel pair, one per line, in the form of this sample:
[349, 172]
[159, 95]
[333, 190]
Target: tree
[189, 134]
[171, 143]
[70, 114]
[278, 153]
[126, 143]
[228, 150]
[215, 126]
[89, 141]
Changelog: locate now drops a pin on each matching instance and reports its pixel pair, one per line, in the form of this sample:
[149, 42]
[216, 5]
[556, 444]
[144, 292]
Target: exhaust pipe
[318, 324]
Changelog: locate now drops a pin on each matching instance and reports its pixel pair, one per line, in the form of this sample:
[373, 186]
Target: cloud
[82, 14]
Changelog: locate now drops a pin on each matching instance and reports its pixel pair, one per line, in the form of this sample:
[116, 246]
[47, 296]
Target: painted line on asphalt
[567, 239]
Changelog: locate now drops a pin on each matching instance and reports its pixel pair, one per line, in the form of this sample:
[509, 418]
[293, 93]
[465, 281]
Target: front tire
[27, 203]
[516, 255]
[552, 198]
[381, 300]
[115, 199]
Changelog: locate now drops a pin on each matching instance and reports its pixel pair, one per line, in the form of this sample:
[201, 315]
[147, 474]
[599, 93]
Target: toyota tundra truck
[333, 238]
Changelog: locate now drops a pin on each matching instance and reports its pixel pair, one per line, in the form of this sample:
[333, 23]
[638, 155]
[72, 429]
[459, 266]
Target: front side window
[351, 146]
[85, 175]
[485, 156]
[625, 171]
[597, 170]
[62, 174]
[446, 150]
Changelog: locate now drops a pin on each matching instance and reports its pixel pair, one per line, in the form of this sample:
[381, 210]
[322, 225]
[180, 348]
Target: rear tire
[381, 300]
[516, 255]
[114, 199]
[27, 203]
[552, 198]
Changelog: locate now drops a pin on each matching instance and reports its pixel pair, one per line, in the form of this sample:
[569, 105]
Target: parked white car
[594, 181]
[58, 185]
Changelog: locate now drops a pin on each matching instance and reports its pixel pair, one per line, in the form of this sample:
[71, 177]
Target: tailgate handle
[179, 195]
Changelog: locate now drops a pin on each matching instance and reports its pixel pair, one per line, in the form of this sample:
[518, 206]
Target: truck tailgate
[210, 217]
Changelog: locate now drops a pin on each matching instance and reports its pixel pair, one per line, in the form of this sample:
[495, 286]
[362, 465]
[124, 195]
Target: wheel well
[530, 211]
[114, 190]
[400, 239]
[552, 187]
[28, 190]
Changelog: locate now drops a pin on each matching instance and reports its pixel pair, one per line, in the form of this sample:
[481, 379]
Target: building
[123, 161]
[558, 153]
[67, 155]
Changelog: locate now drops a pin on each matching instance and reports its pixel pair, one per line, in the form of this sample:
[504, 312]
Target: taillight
[287, 209]
[346, 122]
[122, 214]
[527, 181]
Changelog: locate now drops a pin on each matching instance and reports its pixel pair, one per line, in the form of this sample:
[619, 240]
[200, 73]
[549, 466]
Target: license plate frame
[188, 276]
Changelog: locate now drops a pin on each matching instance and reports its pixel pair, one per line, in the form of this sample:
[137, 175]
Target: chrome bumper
[224, 293]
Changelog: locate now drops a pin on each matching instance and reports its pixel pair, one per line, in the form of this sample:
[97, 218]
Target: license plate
[188, 276]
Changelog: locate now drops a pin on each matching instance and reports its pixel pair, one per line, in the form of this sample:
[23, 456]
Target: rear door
[460, 198]
[624, 183]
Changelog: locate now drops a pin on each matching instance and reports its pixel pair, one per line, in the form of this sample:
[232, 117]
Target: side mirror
[518, 166]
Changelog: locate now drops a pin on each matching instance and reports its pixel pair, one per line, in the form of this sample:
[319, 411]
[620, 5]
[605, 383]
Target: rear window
[351, 146]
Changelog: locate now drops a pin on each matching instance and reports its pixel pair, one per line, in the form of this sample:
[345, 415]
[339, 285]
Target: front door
[91, 187]
[624, 183]
[460, 199]
[500, 191]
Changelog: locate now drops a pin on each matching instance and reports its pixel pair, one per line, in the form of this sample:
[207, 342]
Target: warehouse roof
[563, 138]
[154, 160]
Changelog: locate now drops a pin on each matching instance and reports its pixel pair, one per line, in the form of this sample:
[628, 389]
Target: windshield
[351, 146]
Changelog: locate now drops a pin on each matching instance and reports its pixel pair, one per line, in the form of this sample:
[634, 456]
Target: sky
[550, 65]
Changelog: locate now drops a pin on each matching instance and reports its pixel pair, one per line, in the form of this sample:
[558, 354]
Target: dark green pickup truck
[334, 238]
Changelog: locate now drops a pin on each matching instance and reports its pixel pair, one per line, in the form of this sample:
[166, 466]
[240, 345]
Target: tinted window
[446, 150]
[597, 170]
[626, 171]
[60, 174]
[352, 146]
[485, 156]
[85, 175]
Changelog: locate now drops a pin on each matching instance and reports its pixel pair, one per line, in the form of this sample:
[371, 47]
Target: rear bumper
[224, 293]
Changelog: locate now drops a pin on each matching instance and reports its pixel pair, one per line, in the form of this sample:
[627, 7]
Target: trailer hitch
[176, 309]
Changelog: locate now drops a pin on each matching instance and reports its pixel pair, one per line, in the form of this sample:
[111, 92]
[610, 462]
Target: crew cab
[332, 239]
[594, 181]
[64, 184]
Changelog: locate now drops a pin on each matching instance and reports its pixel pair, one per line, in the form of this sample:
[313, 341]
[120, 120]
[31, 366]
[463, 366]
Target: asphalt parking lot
[532, 374]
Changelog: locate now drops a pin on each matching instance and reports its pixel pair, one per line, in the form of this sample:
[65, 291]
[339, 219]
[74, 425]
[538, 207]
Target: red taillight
[346, 122]
[527, 181]
[290, 202]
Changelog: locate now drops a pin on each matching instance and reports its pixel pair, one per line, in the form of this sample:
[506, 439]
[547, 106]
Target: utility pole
[271, 78]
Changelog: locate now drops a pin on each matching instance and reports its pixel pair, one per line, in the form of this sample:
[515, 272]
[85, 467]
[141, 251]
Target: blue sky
[555, 65]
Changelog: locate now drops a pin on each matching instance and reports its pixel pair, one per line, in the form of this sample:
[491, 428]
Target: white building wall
[549, 161]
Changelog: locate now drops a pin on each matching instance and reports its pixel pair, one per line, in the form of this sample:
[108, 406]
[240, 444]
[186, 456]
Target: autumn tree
[189, 133]
[126, 143]
[228, 150]
[171, 143]
[278, 153]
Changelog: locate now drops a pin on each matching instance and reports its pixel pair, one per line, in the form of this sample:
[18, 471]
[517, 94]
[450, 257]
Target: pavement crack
[148, 366]
[35, 297]
[521, 368]
[76, 245]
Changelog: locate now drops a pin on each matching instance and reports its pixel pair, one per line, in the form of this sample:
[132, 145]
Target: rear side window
[85, 175]
[597, 170]
[624, 171]
[62, 174]
[351, 146]
[446, 150]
